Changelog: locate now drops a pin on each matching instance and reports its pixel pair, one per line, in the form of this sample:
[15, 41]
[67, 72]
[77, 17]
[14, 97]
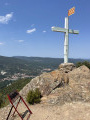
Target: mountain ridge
[29, 65]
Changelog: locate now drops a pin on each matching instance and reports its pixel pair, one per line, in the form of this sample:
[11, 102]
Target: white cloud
[1, 43]
[44, 31]
[5, 19]
[31, 30]
[20, 41]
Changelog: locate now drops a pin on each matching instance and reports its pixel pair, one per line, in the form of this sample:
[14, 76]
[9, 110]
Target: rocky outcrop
[46, 82]
[81, 74]
[78, 88]
[66, 67]
[66, 84]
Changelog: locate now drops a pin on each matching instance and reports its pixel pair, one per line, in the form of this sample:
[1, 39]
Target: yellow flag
[71, 11]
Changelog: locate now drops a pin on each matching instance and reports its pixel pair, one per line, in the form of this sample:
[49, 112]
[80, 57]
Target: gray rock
[59, 87]
[78, 88]
[66, 67]
[46, 82]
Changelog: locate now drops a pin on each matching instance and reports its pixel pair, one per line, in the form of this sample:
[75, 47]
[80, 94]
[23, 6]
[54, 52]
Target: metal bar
[58, 29]
[16, 106]
[28, 116]
[9, 113]
[73, 31]
[66, 42]
[26, 105]
[18, 112]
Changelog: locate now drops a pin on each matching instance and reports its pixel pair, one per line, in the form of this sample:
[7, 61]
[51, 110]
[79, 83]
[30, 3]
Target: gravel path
[69, 111]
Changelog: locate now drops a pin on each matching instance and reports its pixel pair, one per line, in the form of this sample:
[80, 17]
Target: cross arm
[74, 31]
[58, 29]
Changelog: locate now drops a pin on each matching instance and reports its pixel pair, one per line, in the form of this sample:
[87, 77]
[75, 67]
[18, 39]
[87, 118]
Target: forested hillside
[15, 85]
[31, 66]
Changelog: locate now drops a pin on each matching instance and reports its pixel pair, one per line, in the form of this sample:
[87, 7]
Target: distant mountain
[49, 60]
[60, 60]
[32, 66]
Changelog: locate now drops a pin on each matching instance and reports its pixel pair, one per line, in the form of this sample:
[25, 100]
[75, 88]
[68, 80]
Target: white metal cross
[66, 30]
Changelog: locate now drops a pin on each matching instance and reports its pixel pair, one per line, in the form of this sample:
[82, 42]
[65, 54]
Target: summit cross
[66, 30]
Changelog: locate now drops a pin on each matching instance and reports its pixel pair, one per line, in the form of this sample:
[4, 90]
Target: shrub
[86, 63]
[1, 100]
[34, 96]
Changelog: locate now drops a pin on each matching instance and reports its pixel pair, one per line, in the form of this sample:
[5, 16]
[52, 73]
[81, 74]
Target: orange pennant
[71, 11]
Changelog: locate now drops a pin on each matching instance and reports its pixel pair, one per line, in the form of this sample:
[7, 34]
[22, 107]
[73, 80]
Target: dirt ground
[68, 111]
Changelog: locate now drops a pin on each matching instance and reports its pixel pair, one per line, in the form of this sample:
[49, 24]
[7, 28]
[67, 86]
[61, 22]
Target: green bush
[86, 63]
[34, 96]
[1, 100]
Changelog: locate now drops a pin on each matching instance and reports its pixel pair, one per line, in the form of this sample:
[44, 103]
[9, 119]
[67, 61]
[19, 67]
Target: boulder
[46, 82]
[66, 67]
[78, 88]
[81, 74]
[65, 84]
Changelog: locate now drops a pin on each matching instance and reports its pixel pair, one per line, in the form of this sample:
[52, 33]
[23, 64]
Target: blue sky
[25, 28]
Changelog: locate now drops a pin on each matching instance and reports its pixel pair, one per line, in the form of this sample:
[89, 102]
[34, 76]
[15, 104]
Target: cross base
[66, 67]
